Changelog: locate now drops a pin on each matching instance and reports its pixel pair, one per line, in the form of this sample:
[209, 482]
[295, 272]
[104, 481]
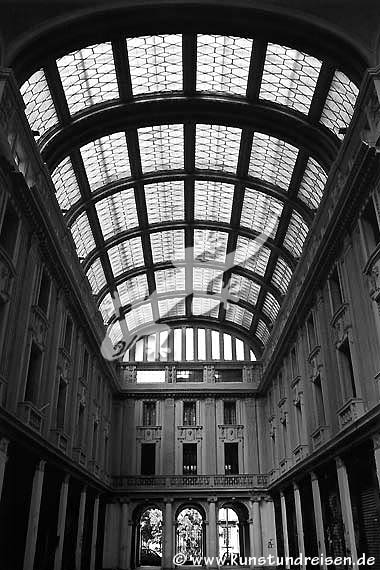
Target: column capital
[295, 486]
[339, 462]
[168, 500]
[376, 441]
[255, 499]
[4, 442]
[212, 499]
[41, 465]
[313, 476]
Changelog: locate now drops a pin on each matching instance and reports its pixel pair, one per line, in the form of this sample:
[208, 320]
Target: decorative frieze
[231, 432]
[148, 433]
[350, 412]
[300, 453]
[38, 325]
[252, 481]
[189, 433]
[60, 439]
[64, 363]
[341, 323]
[319, 436]
[30, 415]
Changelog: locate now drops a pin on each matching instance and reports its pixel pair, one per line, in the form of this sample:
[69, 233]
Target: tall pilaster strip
[61, 522]
[34, 515]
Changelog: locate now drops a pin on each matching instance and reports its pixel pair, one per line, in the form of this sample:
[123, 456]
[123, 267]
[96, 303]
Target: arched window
[149, 538]
[233, 531]
[190, 533]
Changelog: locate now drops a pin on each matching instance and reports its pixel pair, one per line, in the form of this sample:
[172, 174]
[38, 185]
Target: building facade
[190, 285]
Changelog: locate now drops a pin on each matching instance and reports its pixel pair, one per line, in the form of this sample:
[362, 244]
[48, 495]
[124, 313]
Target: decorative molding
[189, 433]
[231, 432]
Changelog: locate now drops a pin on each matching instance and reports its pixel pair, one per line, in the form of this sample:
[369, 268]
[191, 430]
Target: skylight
[312, 184]
[117, 213]
[249, 255]
[39, 106]
[66, 185]
[168, 246]
[82, 235]
[161, 147]
[340, 103]
[217, 147]
[272, 160]
[126, 256]
[261, 212]
[165, 201]
[213, 200]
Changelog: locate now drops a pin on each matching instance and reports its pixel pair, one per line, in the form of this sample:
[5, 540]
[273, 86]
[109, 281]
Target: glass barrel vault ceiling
[188, 220]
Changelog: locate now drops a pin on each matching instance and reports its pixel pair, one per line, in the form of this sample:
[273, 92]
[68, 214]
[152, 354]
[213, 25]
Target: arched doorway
[190, 533]
[233, 532]
[149, 538]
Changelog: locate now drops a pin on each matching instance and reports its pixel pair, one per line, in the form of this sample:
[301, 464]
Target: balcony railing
[165, 482]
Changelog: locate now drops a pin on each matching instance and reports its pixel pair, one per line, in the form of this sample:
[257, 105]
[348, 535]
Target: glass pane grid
[117, 213]
[106, 160]
[239, 316]
[271, 307]
[248, 255]
[39, 106]
[168, 280]
[161, 147]
[168, 246]
[126, 255]
[281, 276]
[296, 234]
[210, 246]
[260, 212]
[340, 103]
[217, 147]
[106, 308]
[213, 201]
[88, 76]
[96, 277]
[115, 333]
[174, 307]
[155, 63]
[207, 279]
[223, 64]
[82, 235]
[139, 316]
[313, 184]
[66, 185]
[133, 290]
[262, 332]
[272, 160]
[244, 288]
[165, 201]
[289, 77]
[206, 307]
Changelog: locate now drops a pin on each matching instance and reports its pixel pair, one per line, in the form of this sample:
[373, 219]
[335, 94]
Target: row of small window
[190, 344]
[189, 375]
[189, 416]
[189, 459]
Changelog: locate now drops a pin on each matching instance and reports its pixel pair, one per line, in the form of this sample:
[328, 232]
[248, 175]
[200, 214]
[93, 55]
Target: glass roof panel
[126, 255]
[66, 185]
[210, 245]
[168, 280]
[88, 76]
[238, 315]
[106, 308]
[271, 306]
[262, 331]
[213, 200]
[117, 213]
[133, 289]
[155, 63]
[206, 306]
[82, 235]
[289, 77]
[161, 147]
[244, 288]
[217, 147]
[165, 201]
[115, 333]
[168, 246]
[207, 280]
[106, 160]
[272, 160]
[313, 184]
[296, 234]
[173, 307]
[39, 106]
[281, 276]
[139, 316]
[340, 103]
[96, 277]
[248, 255]
[260, 212]
[223, 63]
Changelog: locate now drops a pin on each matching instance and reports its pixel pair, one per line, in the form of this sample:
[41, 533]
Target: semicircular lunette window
[188, 221]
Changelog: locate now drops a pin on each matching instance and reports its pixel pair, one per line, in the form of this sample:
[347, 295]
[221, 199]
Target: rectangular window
[193, 375]
[229, 413]
[148, 458]
[294, 362]
[94, 450]
[150, 376]
[61, 403]
[9, 230]
[44, 292]
[281, 386]
[347, 369]
[85, 364]
[189, 414]
[33, 375]
[68, 334]
[201, 344]
[226, 375]
[215, 345]
[189, 458]
[149, 413]
[336, 293]
[319, 403]
[80, 425]
[231, 458]
[189, 344]
[311, 332]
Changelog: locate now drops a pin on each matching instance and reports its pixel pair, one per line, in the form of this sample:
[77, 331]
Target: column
[34, 515]
[79, 544]
[376, 451]
[285, 527]
[318, 516]
[94, 533]
[345, 501]
[299, 522]
[61, 522]
[3, 460]
[168, 438]
[125, 539]
[168, 551]
[212, 541]
[255, 535]
[210, 436]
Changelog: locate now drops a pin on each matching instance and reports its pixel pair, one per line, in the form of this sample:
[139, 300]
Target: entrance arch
[149, 537]
[190, 532]
[233, 531]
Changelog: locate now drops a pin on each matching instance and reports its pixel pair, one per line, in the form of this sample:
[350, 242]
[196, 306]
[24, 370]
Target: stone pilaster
[34, 515]
[345, 501]
[318, 515]
[299, 522]
[94, 533]
[168, 535]
[125, 537]
[61, 522]
[284, 518]
[79, 542]
[3, 460]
